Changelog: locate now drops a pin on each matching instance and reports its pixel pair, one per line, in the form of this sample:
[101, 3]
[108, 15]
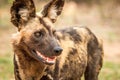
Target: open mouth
[47, 60]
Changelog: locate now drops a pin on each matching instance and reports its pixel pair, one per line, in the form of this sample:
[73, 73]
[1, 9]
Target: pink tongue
[46, 58]
[51, 59]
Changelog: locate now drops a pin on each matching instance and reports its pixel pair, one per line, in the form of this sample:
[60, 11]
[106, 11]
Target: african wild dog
[43, 53]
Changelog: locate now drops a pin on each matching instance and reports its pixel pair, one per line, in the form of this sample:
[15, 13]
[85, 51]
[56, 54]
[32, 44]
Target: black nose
[58, 50]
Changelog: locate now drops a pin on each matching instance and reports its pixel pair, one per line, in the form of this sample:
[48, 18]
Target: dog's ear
[22, 11]
[53, 9]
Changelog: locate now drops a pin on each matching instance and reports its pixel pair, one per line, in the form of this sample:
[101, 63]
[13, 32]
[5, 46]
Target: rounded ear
[22, 11]
[53, 9]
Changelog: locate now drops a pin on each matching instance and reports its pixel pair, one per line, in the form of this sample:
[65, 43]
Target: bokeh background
[101, 16]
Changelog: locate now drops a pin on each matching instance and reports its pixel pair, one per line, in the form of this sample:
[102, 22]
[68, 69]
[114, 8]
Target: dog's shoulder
[76, 34]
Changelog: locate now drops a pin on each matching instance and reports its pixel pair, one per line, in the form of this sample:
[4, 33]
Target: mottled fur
[82, 54]
[82, 50]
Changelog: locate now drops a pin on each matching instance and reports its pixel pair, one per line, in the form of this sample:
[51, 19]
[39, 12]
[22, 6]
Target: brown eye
[54, 31]
[38, 34]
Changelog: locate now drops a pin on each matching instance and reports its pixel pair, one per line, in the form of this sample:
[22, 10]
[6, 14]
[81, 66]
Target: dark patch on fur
[45, 78]
[16, 71]
[73, 51]
[74, 35]
[93, 42]
[56, 70]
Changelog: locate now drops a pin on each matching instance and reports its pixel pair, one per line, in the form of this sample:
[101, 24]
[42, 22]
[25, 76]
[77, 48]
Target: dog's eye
[38, 34]
[54, 31]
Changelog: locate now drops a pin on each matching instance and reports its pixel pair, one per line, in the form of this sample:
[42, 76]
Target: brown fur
[82, 50]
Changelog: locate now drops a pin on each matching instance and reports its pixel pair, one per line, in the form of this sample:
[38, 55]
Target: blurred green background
[101, 16]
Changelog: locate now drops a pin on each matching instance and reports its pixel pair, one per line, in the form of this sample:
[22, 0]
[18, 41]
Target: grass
[6, 68]
[110, 71]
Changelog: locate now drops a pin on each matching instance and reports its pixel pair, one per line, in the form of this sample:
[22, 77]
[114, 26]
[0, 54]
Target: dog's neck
[26, 68]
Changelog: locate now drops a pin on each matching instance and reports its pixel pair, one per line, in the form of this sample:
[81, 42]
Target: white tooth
[51, 61]
[42, 56]
[47, 59]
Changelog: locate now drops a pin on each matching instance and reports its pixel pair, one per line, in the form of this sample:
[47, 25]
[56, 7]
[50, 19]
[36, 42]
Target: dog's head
[36, 34]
